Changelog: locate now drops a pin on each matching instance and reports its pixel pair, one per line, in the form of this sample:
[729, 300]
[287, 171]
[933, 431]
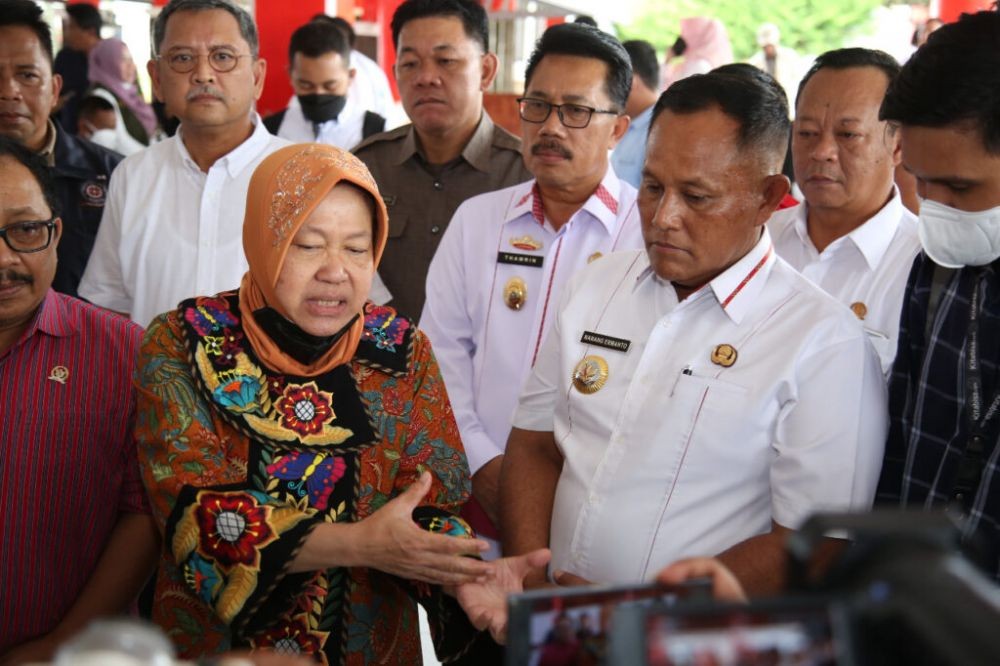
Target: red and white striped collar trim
[602, 194]
[738, 286]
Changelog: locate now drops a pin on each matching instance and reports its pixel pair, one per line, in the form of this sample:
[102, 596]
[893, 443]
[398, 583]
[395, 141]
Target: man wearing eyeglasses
[76, 538]
[174, 220]
[29, 91]
[495, 282]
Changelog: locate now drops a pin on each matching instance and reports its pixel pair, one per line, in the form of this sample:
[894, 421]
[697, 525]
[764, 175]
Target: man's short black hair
[952, 79]
[28, 14]
[318, 38]
[578, 39]
[342, 24]
[645, 64]
[754, 103]
[748, 71]
[35, 164]
[585, 19]
[86, 17]
[469, 12]
[849, 59]
[248, 30]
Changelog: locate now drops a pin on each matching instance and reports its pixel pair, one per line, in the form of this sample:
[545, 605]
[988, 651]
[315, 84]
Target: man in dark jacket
[28, 93]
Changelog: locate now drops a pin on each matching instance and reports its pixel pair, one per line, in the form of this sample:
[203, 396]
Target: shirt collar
[872, 238]
[52, 318]
[603, 203]
[48, 151]
[476, 152]
[737, 287]
[239, 157]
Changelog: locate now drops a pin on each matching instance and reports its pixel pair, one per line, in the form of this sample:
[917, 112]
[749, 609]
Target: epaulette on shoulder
[387, 340]
[382, 137]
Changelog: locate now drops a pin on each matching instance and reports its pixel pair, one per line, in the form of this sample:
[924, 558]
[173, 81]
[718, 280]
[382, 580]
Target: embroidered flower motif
[230, 347]
[276, 385]
[202, 576]
[318, 472]
[393, 403]
[210, 315]
[233, 528]
[213, 345]
[383, 327]
[238, 393]
[304, 409]
[291, 638]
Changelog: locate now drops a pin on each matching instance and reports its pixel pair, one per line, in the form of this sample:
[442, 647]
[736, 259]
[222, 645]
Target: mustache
[551, 146]
[13, 277]
[203, 90]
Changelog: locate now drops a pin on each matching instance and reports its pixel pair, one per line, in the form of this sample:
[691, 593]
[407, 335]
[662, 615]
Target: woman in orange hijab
[289, 430]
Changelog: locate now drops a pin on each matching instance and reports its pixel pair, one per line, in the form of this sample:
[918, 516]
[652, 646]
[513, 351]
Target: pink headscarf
[708, 47]
[104, 69]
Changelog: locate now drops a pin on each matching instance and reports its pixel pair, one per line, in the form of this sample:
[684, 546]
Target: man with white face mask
[945, 388]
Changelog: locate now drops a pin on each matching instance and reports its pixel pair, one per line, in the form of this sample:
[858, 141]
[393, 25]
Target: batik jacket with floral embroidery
[241, 463]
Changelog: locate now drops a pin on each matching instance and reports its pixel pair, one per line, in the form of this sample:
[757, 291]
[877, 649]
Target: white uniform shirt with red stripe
[678, 456]
[485, 348]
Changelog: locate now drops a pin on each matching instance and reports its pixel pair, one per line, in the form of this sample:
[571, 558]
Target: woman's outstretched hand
[389, 540]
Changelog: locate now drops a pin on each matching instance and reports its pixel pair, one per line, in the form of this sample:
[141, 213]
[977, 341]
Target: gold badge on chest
[724, 355]
[515, 293]
[590, 374]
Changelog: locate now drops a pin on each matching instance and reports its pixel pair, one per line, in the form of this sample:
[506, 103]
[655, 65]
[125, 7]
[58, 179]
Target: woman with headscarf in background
[287, 432]
[112, 70]
[702, 46]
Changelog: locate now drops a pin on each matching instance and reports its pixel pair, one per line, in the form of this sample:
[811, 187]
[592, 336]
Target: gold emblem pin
[526, 243]
[515, 293]
[590, 374]
[724, 355]
[60, 374]
[859, 309]
[594, 257]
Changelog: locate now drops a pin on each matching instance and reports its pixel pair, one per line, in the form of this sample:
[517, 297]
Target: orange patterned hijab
[283, 192]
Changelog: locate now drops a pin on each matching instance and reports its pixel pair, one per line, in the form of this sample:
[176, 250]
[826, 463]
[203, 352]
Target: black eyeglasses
[25, 237]
[575, 116]
[221, 60]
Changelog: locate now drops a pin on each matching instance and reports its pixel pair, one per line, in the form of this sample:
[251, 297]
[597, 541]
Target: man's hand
[486, 603]
[486, 488]
[39, 650]
[567, 579]
[725, 587]
[389, 540]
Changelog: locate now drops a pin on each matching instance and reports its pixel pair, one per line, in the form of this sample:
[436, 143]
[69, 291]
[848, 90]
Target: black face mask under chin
[322, 108]
[303, 347]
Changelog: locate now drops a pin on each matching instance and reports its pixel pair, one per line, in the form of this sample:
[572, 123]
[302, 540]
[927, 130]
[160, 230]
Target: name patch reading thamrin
[606, 341]
[520, 259]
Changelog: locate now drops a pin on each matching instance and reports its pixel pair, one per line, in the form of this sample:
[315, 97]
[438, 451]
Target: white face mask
[954, 238]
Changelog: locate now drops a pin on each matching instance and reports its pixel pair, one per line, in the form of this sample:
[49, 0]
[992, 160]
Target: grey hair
[248, 29]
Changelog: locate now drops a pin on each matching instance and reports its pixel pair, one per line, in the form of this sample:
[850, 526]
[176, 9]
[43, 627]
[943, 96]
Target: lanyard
[980, 416]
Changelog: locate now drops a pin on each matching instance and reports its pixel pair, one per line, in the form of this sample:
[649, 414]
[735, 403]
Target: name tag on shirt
[520, 259]
[606, 341]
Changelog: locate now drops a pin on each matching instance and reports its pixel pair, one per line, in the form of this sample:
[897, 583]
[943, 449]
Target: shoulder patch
[382, 137]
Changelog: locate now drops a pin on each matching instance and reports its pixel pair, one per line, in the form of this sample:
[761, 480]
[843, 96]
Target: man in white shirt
[701, 397]
[370, 87]
[173, 223]
[323, 110]
[494, 282]
[852, 236]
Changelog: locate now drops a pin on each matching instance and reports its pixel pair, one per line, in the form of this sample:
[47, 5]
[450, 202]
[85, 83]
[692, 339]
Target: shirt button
[435, 229]
[592, 499]
[976, 441]
[438, 185]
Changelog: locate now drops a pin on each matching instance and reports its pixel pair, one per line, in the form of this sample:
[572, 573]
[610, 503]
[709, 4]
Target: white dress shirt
[485, 348]
[868, 266]
[171, 231]
[370, 88]
[678, 456]
[345, 132]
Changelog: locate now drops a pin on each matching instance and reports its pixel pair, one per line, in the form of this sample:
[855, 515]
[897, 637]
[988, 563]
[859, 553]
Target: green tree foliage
[808, 26]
